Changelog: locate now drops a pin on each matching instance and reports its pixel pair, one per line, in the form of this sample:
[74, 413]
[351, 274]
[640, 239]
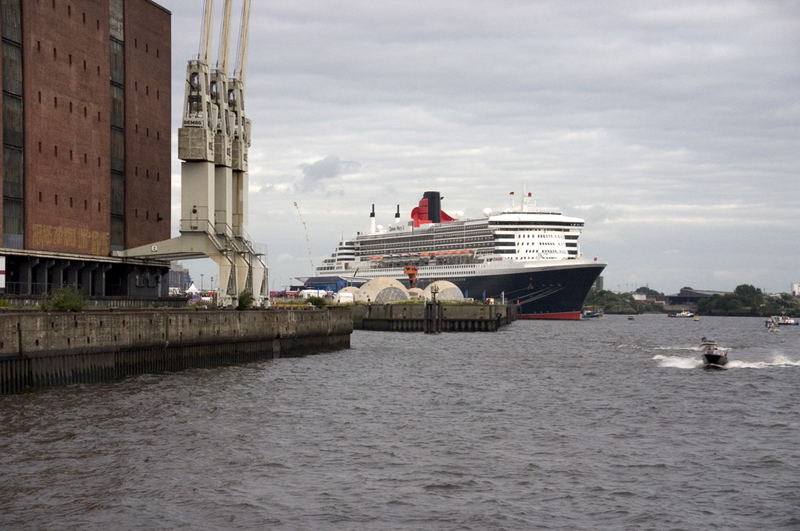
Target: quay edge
[47, 349]
[448, 317]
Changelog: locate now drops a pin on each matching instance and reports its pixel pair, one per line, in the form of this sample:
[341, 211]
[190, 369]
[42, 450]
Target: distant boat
[781, 320]
[631, 318]
[589, 314]
[714, 356]
[684, 314]
[696, 318]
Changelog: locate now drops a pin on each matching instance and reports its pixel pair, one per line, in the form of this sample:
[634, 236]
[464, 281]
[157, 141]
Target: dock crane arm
[205, 32]
[241, 52]
[224, 40]
[308, 240]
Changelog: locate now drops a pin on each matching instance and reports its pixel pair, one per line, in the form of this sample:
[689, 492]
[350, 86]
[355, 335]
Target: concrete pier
[41, 349]
[441, 318]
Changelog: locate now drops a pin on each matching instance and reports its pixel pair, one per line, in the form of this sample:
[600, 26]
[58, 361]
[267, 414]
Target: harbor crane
[308, 239]
[213, 142]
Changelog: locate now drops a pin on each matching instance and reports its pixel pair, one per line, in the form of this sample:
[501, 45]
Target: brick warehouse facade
[86, 144]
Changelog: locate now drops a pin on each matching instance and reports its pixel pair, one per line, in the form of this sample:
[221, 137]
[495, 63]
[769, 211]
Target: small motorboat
[685, 314]
[781, 320]
[714, 356]
[590, 314]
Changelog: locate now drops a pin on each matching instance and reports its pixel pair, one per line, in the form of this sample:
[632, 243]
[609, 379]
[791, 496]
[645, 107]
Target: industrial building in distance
[86, 145]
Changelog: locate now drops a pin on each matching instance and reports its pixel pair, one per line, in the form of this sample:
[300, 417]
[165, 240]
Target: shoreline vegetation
[745, 301]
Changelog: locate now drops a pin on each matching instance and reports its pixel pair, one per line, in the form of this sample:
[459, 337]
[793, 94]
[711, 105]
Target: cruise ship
[525, 255]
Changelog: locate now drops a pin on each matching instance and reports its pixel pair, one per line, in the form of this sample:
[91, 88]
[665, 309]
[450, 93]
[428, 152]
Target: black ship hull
[541, 293]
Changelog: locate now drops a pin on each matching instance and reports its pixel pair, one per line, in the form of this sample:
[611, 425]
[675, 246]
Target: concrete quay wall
[44, 349]
[451, 317]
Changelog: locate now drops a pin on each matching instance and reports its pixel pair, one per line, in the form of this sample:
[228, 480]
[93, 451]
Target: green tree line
[749, 300]
[746, 300]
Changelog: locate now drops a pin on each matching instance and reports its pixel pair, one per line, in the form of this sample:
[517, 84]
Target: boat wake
[680, 362]
[777, 361]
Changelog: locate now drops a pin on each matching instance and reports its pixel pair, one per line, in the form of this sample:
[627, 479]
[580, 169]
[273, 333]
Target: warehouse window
[13, 124]
[117, 233]
[117, 193]
[12, 223]
[12, 68]
[117, 150]
[13, 172]
[11, 20]
[117, 106]
[117, 62]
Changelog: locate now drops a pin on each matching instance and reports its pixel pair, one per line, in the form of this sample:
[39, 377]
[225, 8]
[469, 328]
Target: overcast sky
[672, 128]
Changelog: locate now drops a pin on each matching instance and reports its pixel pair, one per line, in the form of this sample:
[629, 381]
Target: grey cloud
[325, 169]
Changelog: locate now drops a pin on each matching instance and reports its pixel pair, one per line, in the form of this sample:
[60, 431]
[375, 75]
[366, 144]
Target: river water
[606, 424]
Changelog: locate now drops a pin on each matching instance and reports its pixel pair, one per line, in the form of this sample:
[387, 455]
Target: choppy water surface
[603, 424]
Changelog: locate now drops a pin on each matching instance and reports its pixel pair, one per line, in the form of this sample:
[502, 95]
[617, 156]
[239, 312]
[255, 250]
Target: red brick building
[86, 143]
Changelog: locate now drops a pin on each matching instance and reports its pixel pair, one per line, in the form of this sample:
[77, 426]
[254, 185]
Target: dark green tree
[245, 301]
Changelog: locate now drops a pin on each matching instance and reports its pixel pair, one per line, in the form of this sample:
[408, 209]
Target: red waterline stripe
[568, 316]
